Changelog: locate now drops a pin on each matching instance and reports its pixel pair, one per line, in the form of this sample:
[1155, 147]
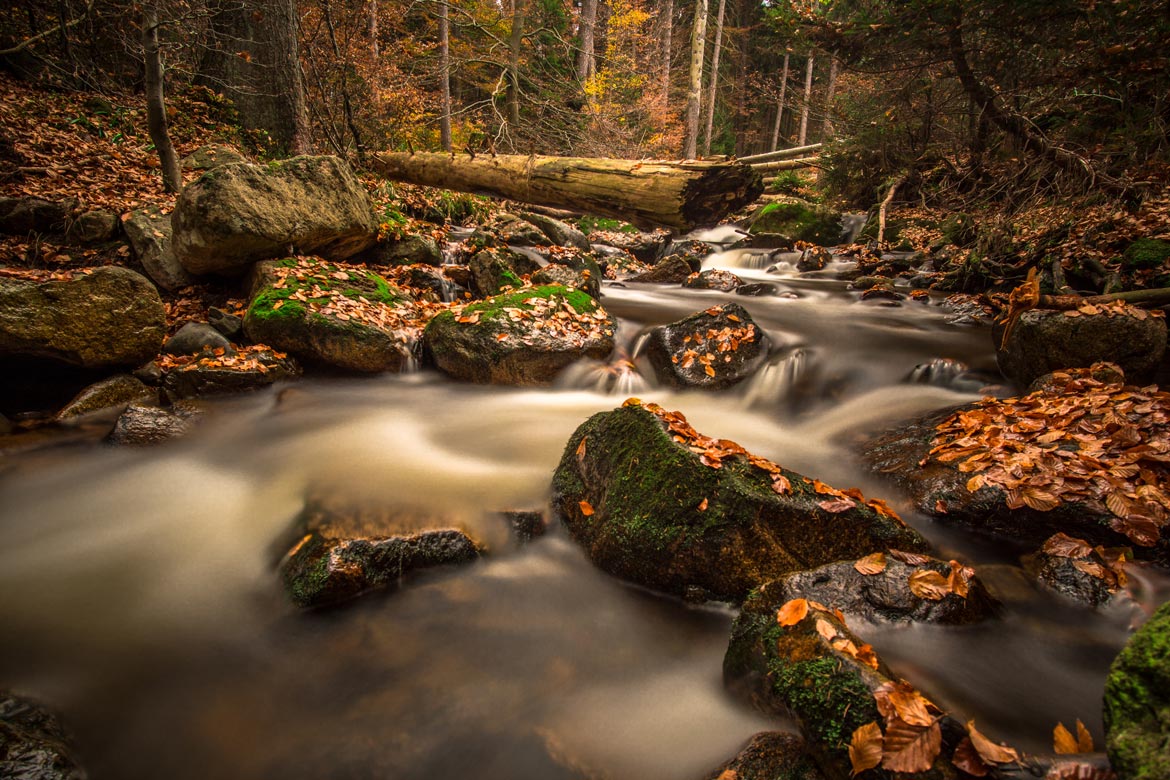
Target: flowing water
[137, 593]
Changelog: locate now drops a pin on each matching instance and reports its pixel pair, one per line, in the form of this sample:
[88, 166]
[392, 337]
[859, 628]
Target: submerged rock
[33, 743]
[1137, 703]
[650, 510]
[814, 258]
[108, 317]
[143, 424]
[114, 393]
[237, 214]
[525, 337]
[768, 756]
[712, 349]
[344, 553]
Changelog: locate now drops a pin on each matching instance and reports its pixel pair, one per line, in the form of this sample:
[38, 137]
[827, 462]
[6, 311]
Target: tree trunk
[695, 90]
[514, 42]
[156, 109]
[668, 27]
[781, 154]
[830, 88]
[714, 82]
[780, 105]
[585, 47]
[682, 196]
[804, 106]
[444, 77]
[372, 28]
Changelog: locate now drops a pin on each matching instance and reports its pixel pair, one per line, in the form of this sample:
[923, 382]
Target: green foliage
[1146, 253]
[590, 224]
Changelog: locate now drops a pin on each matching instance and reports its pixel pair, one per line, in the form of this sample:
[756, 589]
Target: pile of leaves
[257, 357]
[924, 583]
[1106, 564]
[1106, 445]
[553, 314]
[714, 343]
[1112, 309]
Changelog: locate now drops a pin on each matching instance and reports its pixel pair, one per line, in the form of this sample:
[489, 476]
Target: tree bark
[372, 28]
[695, 90]
[780, 105]
[585, 47]
[681, 196]
[714, 81]
[785, 165]
[444, 77]
[514, 40]
[781, 154]
[804, 106]
[156, 109]
[830, 89]
[668, 27]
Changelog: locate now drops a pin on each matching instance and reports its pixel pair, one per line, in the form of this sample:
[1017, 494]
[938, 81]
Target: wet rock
[814, 258]
[196, 337]
[881, 293]
[91, 228]
[800, 221]
[673, 270]
[649, 510]
[149, 232]
[324, 314]
[820, 673]
[109, 317]
[557, 232]
[237, 214]
[511, 229]
[1061, 574]
[712, 349]
[211, 156]
[494, 268]
[344, 553]
[525, 525]
[431, 281]
[407, 250]
[256, 368]
[114, 393]
[775, 241]
[768, 756]
[1044, 341]
[33, 743]
[518, 338]
[693, 252]
[231, 326]
[713, 279]
[645, 247]
[20, 216]
[1137, 703]
[757, 289]
[886, 596]
[459, 274]
[1062, 381]
[586, 280]
[144, 424]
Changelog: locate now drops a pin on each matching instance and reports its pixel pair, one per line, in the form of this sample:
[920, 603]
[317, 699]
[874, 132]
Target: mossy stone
[800, 221]
[1146, 253]
[1137, 703]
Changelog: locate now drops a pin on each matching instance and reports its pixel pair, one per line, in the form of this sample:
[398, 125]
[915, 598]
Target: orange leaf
[792, 612]
[826, 629]
[989, 751]
[865, 748]
[708, 370]
[1064, 546]
[837, 505]
[1063, 742]
[929, 584]
[967, 760]
[959, 580]
[703, 505]
[586, 508]
[871, 564]
[909, 748]
[1084, 738]
[780, 484]
[903, 701]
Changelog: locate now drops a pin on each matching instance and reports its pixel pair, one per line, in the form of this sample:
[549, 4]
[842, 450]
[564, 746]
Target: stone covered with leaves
[1137, 703]
[107, 317]
[712, 349]
[1077, 570]
[713, 279]
[523, 337]
[657, 503]
[343, 552]
[216, 372]
[238, 214]
[328, 314]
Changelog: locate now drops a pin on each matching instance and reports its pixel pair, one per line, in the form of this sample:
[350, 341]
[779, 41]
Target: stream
[138, 596]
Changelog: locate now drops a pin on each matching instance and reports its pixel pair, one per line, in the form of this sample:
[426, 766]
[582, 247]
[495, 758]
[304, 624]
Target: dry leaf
[837, 505]
[1084, 738]
[909, 558]
[967, 760]
[929, 584]
[581, 449]
[989, 751]
[874, 563]
[826, 629]
[703, 505]
[792, 612]
[903, 701]
[909, 748]
[586, 508]
[865, 748]
[1064, 546]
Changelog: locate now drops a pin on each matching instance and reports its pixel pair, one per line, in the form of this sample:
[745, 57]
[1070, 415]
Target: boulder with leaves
[711, 350]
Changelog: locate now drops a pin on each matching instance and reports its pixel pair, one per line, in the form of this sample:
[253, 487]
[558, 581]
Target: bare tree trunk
[343, 62]
[714, 82]
[804, 106]
[585, 49]
[780, 105]
[514, 42]
[445, 77]
[372, 28]
[667, 30]
[695, 90]
[156, 110]
[830, 89]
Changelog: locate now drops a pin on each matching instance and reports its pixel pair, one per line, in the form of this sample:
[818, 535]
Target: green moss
[357, 283]
[590, 224]
[1137, 703]
[800, 221]
[832, 700]
[494, 307]
[1146, 253]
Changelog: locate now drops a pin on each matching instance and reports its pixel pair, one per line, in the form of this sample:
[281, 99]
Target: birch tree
[695, 90]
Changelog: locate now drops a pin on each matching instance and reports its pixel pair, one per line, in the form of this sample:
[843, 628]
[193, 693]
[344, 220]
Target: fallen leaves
[585, 507]
[991, 752]
[865, 748]
[538, 316]
[874, 563]
[1064, 743]
[257, 357]
[929, 584]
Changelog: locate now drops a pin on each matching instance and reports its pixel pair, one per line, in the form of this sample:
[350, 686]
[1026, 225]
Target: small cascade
[619, 377]
[752, 259]
[775, 382]
[951, 375]
[851, 226]
[452, 254]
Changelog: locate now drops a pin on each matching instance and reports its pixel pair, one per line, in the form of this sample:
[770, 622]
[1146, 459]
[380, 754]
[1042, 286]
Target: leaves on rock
[1063, 546]
[967, 759]
[902, 700]
[991, 752]
[929, 584]
[909, 748]
[256, 357]
[874, 563]
[792, 612]
[865, 747]
[585, 507]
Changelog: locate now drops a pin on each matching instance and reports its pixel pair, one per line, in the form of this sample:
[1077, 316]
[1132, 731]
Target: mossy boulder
[557, 232]
[712, 349]
[33, 743]
[323, 313]
[524, 337]
[344, 552]
[1137, 703]
[1146, 253]
[650, 510]
[493, 269]
[108, 317]
[211, 156]
[1044, 341]
[800, 221]
[586, 280]
[238, 214]
[511, 229]
[771, 755]
[959, 229]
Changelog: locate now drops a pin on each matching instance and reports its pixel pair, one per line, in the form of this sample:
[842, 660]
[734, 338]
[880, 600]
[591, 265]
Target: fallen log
[786, 165]
[648, 193]
[1159, 296]
[781, 154]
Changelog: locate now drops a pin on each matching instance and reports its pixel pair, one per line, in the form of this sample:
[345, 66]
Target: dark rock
[495, 268]
[431, 281]
[558, 233]
[346, 552]
[693, 252]
[5, 426]
[144, 424]
[211, 156]
[216, 376]
[885, 596]
[587, 280]
[237, 214]
[525, 525]
[712, 349]
[489, 344]
[113, 394]
[769, 756]
[511, 229]
[814, 259]
[800, 221]
[231, 326]
[1061, 381]
[149, 232]
[92, 227]
[765, 241]
[196, 337]
[1044, 341]
[647, 509]
[881, 294]
[757, 289]
[459, 274]
[33, 743]
[149, 373]
[407, 250]
[869, 282]
[713, 279]
[645, 247]
[334, 326]
[109, 317]
[673, 270]
[1137, 703]
[1059, 573]
[20, 216]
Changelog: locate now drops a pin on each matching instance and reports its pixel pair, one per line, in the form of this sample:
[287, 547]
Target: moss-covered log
[649, 193]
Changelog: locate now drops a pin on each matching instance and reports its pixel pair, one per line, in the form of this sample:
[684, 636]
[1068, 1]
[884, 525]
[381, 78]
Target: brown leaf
[929, 584]
[586, 507]
[837, 505]
[865, 748]
[826, 629]
[989, 751]
[909, 558]
[1040, 500]
[908, 748]
[1063, 742]
[940, 506]
[1063, 546]
[967, 760]
[959, 580]
[874, 563]
[902, 700]
[780, 484]
[581, 449]
[1084, 738]
[703, 505]
[792, 612]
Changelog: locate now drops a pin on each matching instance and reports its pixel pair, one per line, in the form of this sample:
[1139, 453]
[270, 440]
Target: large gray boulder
[109, 317]
[150, 234]
[237, 214]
